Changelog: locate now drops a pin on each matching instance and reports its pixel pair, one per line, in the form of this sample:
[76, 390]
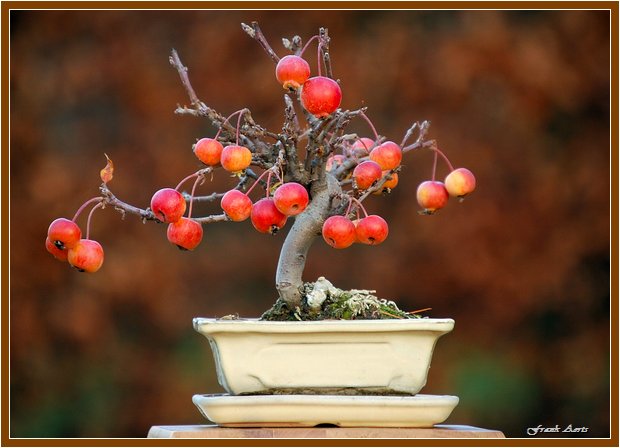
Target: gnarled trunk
[306, 228]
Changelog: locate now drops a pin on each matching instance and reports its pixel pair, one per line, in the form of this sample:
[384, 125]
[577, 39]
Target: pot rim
[213, 325]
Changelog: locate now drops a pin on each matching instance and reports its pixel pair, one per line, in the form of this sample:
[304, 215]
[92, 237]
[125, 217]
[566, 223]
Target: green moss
[321, 300]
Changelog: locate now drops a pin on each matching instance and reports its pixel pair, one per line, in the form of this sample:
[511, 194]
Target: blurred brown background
[520, 97]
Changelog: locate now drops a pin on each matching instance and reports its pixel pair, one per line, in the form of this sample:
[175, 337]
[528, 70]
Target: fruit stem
[438, 151]
[349, 207]
[226, 120]
[370, 124]
[434, 167]
[198, 173]
[185, 179]
[258, 180]
[268, 184]
[90, 215]
[84, 205]
[359, 204]
[318, 57]
[316, 36]
[191, 198]
[238, 125]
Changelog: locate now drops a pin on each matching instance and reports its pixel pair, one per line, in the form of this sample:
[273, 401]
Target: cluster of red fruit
[64, 241]
[433, 195]
[341, 232]
[319, 95]
[168, 205]
[376, 163]
[269, 214]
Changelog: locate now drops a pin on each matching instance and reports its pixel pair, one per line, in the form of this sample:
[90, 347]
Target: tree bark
[306, 228]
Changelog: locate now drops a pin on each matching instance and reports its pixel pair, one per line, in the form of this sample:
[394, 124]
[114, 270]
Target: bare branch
[291, 122]
[255, 33]
[409, 133]
[175, 61]
[123, 207]
[423, 129]
[378, 185]
[208, 198]
[212, 218]
[324, 45]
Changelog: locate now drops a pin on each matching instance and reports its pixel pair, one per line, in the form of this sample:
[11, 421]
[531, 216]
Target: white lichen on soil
[322, 300]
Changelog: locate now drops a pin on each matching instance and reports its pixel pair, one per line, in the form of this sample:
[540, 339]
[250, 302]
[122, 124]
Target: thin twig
[208, 198]
[378, 185]
[175, 61]
[255, 33]
[324, 45]
[419, 311]
[123, 207]
[395, 316]
[212, 218]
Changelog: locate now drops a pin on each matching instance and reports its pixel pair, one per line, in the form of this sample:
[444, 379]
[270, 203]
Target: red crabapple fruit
[266, 218]
[168, 205]
[334, 161]
[432, 195]
[366, 173]
[460, 182]
[292, 71]
[372, 229]
[291, 198]
[339, 232]
[86, 256]
[235, 158]
[59, 254]
[363, 146]
[321, 96]
[388, 155]
[185, 233]
[237, 205]
[64, 233]
[208, 151]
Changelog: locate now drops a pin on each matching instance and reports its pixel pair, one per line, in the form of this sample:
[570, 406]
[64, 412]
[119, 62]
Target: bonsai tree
[312, 172]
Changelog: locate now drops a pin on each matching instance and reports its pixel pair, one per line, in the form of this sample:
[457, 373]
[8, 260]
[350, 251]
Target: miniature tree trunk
[306, 228]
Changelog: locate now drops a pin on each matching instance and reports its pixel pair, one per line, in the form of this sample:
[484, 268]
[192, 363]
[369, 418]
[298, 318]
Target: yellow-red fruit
[59, 254]
[64, 233]
[185, 233]
[389, 184]
[86, 256]
[266, 218]
[460, 182]
[291, 198]
[237, 205]
[372, 229]
[339, 232]
[365, 174]
[208, 151]
[321, 96]
[235, 158]
[292, 71]
[388, 155]
[168, 205]
[432, 195]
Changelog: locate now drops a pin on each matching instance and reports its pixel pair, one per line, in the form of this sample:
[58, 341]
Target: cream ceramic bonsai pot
[352, 357]
[417, 411]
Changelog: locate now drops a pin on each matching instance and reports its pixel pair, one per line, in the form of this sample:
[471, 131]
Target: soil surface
[321, 300]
